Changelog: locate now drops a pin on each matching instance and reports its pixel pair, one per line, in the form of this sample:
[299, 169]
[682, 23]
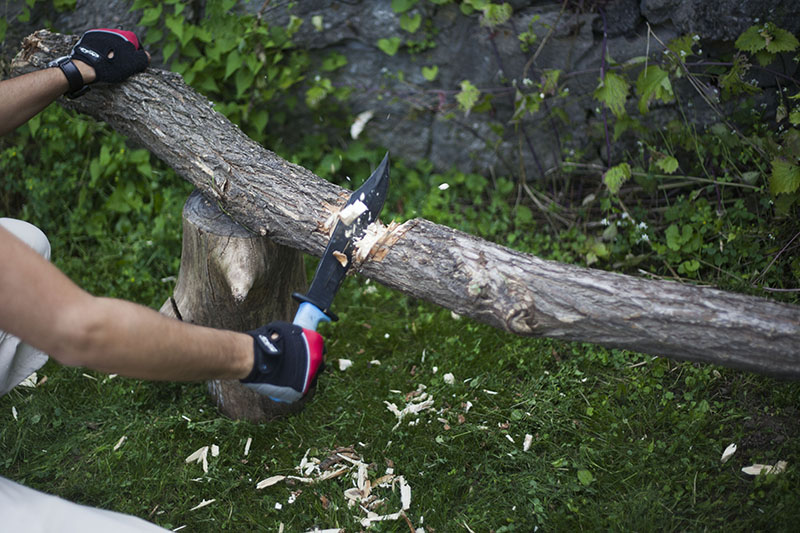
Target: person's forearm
[119, 337]
[47, 310]
[24, 96]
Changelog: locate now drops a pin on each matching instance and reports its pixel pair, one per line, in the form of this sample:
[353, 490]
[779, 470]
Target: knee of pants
[29, 234]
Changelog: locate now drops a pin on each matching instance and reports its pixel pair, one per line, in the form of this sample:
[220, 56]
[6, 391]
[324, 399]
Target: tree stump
[230, 278]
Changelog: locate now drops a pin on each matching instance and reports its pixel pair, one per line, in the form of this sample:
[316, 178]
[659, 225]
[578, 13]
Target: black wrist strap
[74, 78]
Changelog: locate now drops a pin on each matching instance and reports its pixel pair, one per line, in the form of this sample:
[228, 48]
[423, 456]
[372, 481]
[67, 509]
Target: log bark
[233, 279]
[502, 287]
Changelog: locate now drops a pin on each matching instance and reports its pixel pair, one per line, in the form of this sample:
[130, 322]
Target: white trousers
[22, 509]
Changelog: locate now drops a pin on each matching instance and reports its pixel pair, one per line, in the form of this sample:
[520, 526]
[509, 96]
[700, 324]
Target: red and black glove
[287, 359]
[114, 54]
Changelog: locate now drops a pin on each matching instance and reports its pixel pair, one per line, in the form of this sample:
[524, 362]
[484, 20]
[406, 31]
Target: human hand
[287, 359]
[113, 55]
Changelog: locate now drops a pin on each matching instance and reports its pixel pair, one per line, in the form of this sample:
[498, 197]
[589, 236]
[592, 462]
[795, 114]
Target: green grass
[621, 441]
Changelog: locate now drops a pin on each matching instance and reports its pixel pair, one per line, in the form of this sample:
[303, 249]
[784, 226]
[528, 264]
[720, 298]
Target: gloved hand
[287, 359]
[114, 54]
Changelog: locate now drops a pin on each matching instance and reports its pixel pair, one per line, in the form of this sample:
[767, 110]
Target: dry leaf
[729, 451]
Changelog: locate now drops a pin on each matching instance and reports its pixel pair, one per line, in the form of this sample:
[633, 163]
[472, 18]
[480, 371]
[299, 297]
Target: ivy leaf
[430, 73]
[613, 91]
[389, 46]
[401, 6]
[785, 177]
[410, 24]
[468, 96]
[616, 176]
[653, 84]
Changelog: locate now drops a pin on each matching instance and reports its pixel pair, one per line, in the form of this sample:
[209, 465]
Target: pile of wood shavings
[364, 495]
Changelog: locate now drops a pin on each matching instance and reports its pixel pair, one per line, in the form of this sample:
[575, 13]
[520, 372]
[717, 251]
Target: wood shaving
[269, 481]
[120, 442]
[729, 451]
[416, 404]
[352, 212]
[342, 258]
[30, 381]
[202, 504]
[200, 457]
[758, 469]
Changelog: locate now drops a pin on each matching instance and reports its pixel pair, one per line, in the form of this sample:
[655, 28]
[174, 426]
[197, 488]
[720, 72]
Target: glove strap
[77, 87]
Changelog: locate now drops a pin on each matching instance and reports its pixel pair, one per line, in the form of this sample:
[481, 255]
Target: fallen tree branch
[502, 287]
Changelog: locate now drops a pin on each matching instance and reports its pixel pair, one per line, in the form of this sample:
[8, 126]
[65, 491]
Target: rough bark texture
[496, 285]
[233, 279]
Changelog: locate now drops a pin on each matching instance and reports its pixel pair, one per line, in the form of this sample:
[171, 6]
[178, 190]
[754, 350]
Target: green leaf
[401, 6]
[667, 163]
[233, 63]
[794, 117]
[496, 14]
[390, 46]
[334, 61]
[430, 73]
[616, 176]
[3, 28]
[175, 24]
[585, 477]
[673, 235]
[410, 24]
[785, 177]
[613, 92]
[781, 40]
[468, 96]
[653, 84]
[151, 15]
[751, 40]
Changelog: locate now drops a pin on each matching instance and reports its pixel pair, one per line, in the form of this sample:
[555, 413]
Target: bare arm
[47, 310]
[24, 96]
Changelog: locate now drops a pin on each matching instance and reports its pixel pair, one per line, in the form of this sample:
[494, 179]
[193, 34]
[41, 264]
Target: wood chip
[120, 442]
[729, 451]
[247, 445]
[758, 469]
[200, 457]
[405, 493]
[202, 504]
[352, 212]
[342, 258]
[14, 413]
[269, 482]
[344, 364]
[526, 445]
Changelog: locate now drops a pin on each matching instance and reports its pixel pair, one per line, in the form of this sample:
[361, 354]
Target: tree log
[233, 279]
[510, 290]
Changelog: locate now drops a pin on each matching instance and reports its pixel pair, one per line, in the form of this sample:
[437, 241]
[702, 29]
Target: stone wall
[411, 116]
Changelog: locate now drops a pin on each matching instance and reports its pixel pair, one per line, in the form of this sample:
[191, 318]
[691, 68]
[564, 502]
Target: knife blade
[361, 209]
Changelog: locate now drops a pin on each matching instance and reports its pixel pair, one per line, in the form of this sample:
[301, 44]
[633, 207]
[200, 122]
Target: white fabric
[17, 359]
[24, 510]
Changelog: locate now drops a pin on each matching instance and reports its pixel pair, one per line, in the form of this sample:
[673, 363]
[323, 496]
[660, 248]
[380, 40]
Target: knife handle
[309, 316]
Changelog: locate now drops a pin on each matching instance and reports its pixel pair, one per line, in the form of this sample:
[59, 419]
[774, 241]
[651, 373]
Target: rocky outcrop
[418, 118]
